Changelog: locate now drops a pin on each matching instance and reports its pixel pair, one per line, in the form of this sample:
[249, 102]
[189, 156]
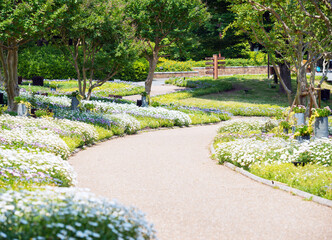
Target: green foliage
[322, 112]
[103, 40]
[135, 71]
[3, 109]
[46, 61]
[310, 178]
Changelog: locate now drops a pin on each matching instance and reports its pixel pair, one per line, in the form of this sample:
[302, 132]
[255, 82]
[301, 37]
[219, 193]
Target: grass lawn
[66, 87]
[250, 95]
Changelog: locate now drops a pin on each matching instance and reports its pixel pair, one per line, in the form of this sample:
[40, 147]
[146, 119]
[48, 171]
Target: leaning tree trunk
[152, 67]
[285, 75]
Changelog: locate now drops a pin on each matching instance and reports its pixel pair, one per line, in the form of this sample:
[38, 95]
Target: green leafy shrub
[46, 61]
[137, 71]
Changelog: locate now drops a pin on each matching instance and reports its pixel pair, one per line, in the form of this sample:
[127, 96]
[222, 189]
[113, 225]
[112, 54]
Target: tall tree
[21, 22]
[97, 40]
[156, 20]
[300, 34]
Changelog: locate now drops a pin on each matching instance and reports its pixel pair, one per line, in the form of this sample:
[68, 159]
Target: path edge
[275, 184]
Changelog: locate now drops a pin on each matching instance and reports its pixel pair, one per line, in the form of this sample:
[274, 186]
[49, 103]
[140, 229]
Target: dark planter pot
[302, 138]
[19, 80]
[321, 128]
[74, 103]
[139, 103]
[299, 117]
[37, 81]
[297, 164]
[53, 89]
[285, 131]
[33, 112]
[1, 99]
[325, 94]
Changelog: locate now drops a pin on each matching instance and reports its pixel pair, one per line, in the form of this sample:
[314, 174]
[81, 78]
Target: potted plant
[285, 126]
[23, 106]
[299, 111]
[145, 99]
[302, 132]
[75, 100]
[320, 118]
[53, 86]
[89, 107]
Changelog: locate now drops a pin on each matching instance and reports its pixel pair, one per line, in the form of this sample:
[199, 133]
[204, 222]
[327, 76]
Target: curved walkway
[169, 176]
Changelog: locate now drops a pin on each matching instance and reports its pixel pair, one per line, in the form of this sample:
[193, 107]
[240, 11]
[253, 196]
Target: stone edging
[274, 184]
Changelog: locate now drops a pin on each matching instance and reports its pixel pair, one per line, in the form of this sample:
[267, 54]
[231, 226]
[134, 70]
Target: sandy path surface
[169, 176]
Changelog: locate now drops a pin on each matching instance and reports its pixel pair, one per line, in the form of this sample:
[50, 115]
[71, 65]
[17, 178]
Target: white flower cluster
[129, 123]
[68, 213]
[180, 118]
[248, 150]
[62, 127]
[245, 152]
[318, 151]
[62, 101]
[35, 137]
[247, 125]
[35, 166]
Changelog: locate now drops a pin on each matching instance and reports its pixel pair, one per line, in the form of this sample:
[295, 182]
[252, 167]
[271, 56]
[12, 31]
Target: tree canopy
[96, 37]
[156, 20]
[298, 30]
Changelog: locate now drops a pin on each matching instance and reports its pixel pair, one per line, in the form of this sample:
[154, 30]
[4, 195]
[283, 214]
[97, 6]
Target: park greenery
[87, 44]
[259, 147]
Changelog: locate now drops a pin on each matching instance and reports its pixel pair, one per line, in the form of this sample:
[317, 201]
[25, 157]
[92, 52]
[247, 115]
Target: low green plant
[285, 125]
[43, 113]
[299, 109]
[322, 112]
[302, 130]
[314, 179]
[3, 109]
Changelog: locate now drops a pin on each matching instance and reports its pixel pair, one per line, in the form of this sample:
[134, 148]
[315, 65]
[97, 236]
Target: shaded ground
[168, 175]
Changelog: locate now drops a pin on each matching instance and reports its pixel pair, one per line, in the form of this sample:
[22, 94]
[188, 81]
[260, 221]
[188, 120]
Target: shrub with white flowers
[32, 166]
[180, 118]
[68, 213]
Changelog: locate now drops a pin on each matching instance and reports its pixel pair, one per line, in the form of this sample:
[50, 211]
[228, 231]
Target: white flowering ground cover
[32, 166]
[32, 155]
[272, 157]
[125, 121]
[180, 118]
[61, 127]
[68, 213]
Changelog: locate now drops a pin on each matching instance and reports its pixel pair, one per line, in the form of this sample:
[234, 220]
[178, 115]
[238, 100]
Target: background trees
[97, 40]
[299, 32]
[156, 20]
[21, 22]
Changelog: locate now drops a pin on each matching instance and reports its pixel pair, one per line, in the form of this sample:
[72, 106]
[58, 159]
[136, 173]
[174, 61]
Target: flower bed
[242, 143]
[19, 167]
[68, 213]
[125, 121]
[178, 117]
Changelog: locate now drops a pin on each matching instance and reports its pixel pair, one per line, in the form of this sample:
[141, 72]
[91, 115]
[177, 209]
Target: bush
[46, 61]
[137, 71]
[68, 213]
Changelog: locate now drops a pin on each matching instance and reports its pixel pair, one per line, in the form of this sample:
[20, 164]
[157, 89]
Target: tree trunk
[285, 75]
[11, 81]
[301, 85]
[152, 67]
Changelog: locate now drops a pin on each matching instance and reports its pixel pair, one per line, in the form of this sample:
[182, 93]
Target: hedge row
[50, 63]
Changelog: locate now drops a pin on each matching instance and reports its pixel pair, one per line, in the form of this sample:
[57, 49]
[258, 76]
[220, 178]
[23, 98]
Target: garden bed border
[275, 184]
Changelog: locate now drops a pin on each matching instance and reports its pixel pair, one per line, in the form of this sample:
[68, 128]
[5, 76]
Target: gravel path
[168, 175]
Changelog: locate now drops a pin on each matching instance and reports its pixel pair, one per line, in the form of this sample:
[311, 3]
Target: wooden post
[215, 66]
[268, 66]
